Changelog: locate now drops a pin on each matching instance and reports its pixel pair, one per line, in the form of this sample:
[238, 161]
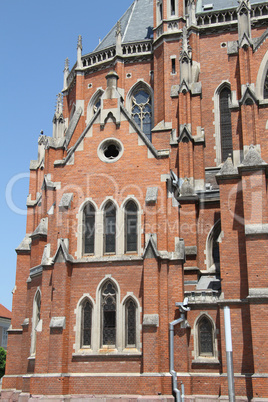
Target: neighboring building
[152, 189]
[5, 321]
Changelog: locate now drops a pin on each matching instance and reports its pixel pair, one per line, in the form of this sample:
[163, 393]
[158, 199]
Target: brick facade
[200, 226]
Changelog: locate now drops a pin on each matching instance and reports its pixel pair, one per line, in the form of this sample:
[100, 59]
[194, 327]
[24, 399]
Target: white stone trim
[34, 321]
[261, 77]
[77, 328]
[97, 332]
[140, 84]
[196, 339]
[209, 247]
[90, 112]
[128, 296]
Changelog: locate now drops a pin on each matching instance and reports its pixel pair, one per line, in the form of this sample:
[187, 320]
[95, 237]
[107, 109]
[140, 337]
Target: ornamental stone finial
[79, 52]
[79, 42]
[65, 73]
[118, 39]
[118, 28]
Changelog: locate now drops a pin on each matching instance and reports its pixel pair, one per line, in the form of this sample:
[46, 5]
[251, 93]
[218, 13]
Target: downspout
[179, 394]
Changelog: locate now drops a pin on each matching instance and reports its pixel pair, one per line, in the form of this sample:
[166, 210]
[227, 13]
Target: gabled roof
[202, 6]
[4, 312]
[136, 25]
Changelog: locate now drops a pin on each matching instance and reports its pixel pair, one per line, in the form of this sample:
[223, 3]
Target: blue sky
[35, 39]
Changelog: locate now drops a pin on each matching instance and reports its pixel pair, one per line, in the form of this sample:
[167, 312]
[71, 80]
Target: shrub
[3, 354]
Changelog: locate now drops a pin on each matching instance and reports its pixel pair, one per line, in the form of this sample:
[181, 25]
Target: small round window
[110, 150]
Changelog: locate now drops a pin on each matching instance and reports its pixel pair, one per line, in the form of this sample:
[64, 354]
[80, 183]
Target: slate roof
[4, 312]
[220, 4]
[136, 25]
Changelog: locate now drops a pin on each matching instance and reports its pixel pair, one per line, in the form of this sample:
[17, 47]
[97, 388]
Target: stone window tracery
[142, 111]
[108, 296]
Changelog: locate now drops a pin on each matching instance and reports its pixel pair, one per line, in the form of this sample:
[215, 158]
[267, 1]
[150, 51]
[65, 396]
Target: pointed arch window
[109, 228]
[35, 320]
[205, 337]
[109, 314]
[131, 227]
[225, 123]
[89, 229]
[213, 249]
[97, 105]
[172, 7]
[130, 320]
[142, 111]
[265, 92]
[86, 324]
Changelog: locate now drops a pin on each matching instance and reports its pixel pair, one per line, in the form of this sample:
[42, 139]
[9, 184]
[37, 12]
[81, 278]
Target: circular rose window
[110, 150]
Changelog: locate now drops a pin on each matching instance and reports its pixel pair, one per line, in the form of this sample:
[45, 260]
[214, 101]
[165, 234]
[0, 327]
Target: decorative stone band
[256, 229]
[151, 320]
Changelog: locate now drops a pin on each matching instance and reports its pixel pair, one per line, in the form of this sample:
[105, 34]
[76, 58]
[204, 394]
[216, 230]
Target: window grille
[109, 314]
[265, 95]
[131, 227]
[142, 112]
[109, 228]
[130, 323]
[86, 324]
[89, 229]
[225, 124]
[205, 336]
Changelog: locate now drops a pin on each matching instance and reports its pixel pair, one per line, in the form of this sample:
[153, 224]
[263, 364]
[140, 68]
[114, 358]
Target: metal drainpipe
[229, 353]
[179, 397]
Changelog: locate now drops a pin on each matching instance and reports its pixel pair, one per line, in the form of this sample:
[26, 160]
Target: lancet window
[131, 227]
[142, 111]
[108, 314]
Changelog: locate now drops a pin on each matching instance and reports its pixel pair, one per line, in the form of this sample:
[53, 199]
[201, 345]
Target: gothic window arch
[223, 124]
[35, 319]
[131, 227]
[108, 314]
[130, 323]
[109, 228]
[86, 324]
[212, 248]
[89, 229]
[205, 330]
[140, 105]
[94, 104]
[265, 87]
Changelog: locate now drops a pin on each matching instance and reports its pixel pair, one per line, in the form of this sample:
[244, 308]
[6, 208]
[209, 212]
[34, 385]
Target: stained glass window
[109, 314]
[109, 228]
[225, 124]
[205, 336]
[131, 227]
[130, 323]
[89, 229]
[86, 324]
[142, 111]
[265, 95]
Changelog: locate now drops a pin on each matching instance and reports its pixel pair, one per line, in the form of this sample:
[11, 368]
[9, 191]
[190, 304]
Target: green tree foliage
[3, 354]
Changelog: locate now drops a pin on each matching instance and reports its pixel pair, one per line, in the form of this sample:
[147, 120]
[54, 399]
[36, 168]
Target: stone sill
[206, 360]
[106, 353]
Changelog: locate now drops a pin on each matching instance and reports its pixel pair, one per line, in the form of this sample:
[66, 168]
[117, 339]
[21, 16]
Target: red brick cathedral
[143, 273]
